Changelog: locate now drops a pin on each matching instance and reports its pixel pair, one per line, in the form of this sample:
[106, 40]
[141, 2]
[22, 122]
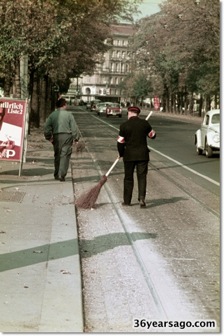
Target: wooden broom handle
[113, 165]
[149, 115]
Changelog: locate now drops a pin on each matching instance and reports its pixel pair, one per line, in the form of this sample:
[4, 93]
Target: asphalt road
[176, 140]
[180, 259]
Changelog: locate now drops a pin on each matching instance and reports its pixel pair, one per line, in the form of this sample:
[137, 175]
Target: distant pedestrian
[132, 146]
[61, 129]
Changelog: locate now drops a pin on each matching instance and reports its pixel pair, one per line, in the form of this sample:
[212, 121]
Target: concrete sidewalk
[40, 266]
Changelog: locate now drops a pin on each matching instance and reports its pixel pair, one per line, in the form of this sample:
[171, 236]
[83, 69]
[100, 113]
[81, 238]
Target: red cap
[134, 109]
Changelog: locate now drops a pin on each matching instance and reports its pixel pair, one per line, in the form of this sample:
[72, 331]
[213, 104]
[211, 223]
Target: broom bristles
[88, 200]
[79, 146]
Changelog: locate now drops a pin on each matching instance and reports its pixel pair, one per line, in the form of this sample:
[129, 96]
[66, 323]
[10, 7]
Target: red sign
[156, 103]
[12, 124]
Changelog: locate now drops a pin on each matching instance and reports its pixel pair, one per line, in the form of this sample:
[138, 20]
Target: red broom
[88, 200]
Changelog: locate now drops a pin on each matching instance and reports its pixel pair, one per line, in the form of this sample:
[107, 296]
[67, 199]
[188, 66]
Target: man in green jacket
[61, 129]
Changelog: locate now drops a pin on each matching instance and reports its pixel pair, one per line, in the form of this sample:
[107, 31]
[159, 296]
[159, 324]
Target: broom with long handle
[149, 115]
[88, 200]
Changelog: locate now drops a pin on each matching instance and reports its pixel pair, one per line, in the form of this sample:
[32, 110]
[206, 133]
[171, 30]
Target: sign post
[12, 129]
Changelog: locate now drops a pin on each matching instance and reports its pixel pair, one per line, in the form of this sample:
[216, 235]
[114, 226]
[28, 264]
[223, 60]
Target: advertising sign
[12, 124]
[156, 103]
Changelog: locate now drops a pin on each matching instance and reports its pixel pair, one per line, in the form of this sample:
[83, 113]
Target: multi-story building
[105, 83]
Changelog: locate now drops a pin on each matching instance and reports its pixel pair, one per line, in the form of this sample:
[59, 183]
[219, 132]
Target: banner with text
[12, 124]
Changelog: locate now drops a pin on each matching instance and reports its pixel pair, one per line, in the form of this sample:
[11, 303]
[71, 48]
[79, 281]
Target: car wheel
[208, 151]
[199, 151]
[120, 115]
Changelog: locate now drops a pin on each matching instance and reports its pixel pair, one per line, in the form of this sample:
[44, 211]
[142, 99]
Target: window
[206, 120]
[216, 119]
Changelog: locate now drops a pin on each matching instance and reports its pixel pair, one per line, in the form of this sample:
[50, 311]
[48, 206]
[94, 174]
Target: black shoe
[142, 204]
[62, 179]
[126, 204]
[56, 177]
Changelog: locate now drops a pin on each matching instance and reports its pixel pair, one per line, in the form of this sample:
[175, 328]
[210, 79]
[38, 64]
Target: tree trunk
[191, 103]
[16, 83]
[207, 103]
[7, 86]
[172, 102]
[200, 106]
[166, 99]
[185, 101]
[35, 103]
[42, 100]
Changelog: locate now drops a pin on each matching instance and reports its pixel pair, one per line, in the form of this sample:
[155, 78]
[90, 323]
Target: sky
[149, 7]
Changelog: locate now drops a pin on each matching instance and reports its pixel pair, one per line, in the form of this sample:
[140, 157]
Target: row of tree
[43, 43]
[176, 55]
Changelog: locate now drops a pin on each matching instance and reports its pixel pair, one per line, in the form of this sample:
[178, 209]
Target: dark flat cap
[134, 109]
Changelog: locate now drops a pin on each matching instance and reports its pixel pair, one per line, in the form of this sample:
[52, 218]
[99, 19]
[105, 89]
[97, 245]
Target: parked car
[88, 105]
[101, 107]
[114, 109]
[207, 138]
[93, 104]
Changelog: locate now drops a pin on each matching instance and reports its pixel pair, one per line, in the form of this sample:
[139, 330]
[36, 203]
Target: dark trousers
[62, 153]
[141, 170]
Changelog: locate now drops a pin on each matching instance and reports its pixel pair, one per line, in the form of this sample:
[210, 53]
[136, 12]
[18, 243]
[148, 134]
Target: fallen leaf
[65, 272]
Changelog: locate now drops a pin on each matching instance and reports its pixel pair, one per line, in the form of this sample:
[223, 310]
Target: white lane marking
[175, 161]
[106, 123]
[187, 168]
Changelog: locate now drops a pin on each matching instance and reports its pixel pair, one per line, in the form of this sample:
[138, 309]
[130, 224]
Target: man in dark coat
[132, 146]
[61, 129]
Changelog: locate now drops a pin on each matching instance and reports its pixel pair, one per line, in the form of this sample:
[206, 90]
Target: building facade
[106, 82]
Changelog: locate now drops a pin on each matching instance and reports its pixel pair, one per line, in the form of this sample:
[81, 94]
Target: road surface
[159, 263]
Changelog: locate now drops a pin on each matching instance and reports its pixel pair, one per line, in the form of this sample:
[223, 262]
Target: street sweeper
[132, 147]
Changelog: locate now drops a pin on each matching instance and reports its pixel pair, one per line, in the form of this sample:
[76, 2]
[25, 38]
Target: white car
[207, 138]
[101, 107]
